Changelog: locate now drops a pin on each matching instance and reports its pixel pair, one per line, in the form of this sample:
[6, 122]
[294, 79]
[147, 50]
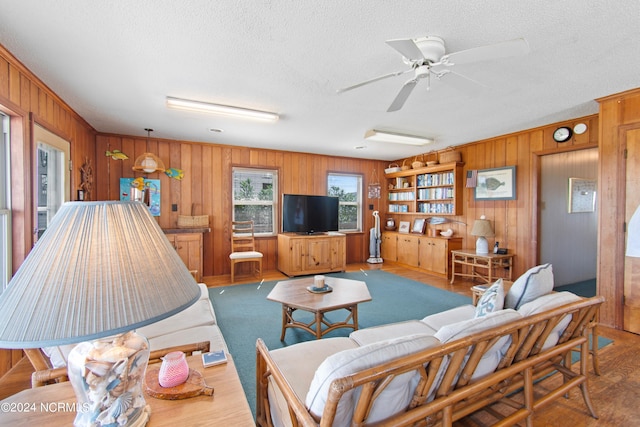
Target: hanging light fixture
[148, 162]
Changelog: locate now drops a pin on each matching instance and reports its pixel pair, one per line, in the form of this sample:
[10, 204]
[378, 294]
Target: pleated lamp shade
[100, 269]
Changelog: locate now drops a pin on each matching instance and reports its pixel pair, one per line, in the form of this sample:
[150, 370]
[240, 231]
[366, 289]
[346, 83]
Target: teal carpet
[244, 314]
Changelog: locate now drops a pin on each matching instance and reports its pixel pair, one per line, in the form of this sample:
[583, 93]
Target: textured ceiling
[114, 62]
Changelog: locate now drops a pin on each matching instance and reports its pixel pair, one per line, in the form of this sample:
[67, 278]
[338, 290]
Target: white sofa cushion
[536, 282]
[491, 358]
[390, 331]
[491, 300]
[298, 363]
[196, 323]
[395, 397]
[547, 302]
[454, 315]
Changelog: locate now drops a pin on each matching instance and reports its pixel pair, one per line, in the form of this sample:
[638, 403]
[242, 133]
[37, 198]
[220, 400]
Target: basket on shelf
[393, 167]
[404, 166]
[193, 220]
[188, 221]
[417, 164]
[449, 156]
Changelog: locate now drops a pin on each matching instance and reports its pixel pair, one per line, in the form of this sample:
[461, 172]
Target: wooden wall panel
[617, 114]
[27, 100]
[207, 186]
[515, 221]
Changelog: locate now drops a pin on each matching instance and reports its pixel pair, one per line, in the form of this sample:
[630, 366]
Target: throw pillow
[536, 282]
[491, 300]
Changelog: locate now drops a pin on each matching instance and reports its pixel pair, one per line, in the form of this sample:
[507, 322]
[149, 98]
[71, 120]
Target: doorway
[568, 215]
[52, 176]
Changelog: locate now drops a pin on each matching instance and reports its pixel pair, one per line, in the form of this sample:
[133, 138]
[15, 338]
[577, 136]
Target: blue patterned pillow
[492, 299]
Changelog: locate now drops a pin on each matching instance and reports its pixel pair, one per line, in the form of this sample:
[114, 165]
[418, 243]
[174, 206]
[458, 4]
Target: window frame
[358, 203]
[5, 202]
[274, 203]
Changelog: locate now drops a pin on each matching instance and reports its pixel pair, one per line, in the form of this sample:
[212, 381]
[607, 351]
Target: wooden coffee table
[293, 295]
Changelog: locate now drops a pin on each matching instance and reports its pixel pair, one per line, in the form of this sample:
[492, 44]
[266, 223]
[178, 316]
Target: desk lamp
[101, 269]
[482, 228]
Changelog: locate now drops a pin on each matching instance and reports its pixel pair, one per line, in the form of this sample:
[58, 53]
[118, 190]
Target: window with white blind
[348, 189]
[255, 193]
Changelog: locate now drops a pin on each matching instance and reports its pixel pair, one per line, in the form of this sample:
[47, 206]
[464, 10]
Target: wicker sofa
[196, 324]
[432, 371]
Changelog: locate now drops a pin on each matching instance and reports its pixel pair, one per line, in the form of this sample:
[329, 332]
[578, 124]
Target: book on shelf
[213, 358]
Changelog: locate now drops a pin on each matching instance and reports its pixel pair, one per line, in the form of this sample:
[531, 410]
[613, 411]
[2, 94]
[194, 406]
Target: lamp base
[107, 377]
[482, 246]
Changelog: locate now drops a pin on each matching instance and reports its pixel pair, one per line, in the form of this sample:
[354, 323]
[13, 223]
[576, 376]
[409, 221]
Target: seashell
[135, 341]
[447, 233]
[493, 183]
[120, 405]
[98, 368]
[115, 354]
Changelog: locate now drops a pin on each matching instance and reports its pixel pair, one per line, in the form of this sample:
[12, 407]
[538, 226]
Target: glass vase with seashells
[107, 377]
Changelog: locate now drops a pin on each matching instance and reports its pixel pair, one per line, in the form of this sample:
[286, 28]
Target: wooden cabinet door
[338, 253]
[408, 250]
[319, 254]
[297, 255]
[389, 247]
[433, 255]
[189, 249]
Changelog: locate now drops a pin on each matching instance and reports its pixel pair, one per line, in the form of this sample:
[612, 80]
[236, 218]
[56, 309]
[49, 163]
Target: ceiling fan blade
[505, 49]
[375, 79]
[406, 47]
[402, 96]
[462, 83]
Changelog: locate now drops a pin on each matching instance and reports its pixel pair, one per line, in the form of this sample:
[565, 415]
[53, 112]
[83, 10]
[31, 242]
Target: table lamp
[101, 269]
[482, 228]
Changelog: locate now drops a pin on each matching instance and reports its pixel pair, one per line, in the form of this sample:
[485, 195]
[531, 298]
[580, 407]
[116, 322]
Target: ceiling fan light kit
[395, 137]
[208, 107]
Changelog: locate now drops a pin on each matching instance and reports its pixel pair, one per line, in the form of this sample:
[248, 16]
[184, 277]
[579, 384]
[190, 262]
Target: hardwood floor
[615, 393]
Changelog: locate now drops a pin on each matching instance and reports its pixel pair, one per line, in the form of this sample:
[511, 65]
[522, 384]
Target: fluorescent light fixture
[397, 138]
[207, 107]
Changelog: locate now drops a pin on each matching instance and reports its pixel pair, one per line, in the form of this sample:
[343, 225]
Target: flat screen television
[306, 214]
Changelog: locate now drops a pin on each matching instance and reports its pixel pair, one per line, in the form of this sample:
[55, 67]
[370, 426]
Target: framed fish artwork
[143, 190]
[496, 184]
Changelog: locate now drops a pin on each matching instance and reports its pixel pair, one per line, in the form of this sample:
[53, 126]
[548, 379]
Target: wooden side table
[54, 404]
[490, 263]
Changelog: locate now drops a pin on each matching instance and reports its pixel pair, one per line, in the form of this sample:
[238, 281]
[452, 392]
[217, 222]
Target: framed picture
[418, 226]
[496, 184]
[404, 227]
[582, 195]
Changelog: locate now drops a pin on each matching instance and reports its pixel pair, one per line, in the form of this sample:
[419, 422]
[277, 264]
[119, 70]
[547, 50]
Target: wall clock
[562, 134]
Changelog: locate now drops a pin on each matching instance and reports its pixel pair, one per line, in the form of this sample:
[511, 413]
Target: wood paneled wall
[27, 100]
[514, 221]
[618, 114]
[207, 187]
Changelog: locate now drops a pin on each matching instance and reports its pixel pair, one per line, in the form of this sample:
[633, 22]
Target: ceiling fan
[427, 58]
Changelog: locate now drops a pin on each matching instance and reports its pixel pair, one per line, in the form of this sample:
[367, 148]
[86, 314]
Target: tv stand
[303, 254]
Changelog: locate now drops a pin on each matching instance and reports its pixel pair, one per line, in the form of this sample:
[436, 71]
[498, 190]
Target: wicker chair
[243, 247]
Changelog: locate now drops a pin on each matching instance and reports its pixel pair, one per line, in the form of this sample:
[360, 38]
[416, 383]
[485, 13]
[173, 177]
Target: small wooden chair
[243, 247]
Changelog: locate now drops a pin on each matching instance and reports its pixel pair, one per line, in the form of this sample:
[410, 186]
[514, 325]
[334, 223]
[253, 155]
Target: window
[348, 188]
[255, 193]
[5, 197]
